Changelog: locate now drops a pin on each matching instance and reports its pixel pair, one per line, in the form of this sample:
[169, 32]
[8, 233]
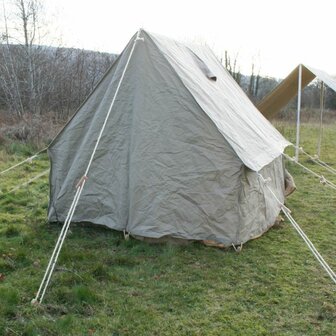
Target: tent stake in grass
[80, 185]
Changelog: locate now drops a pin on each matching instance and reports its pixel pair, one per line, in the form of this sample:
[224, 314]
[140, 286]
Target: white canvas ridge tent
[179, 154]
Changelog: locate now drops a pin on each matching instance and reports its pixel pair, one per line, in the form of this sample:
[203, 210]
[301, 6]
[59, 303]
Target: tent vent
[201, 64]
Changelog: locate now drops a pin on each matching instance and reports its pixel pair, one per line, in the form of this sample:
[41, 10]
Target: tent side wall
[71, 149]
[184, 177]
[252, 137]
[198, 186]
[258, 209]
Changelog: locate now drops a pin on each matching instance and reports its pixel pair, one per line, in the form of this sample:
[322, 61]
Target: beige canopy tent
[288, 89]
[291, 86]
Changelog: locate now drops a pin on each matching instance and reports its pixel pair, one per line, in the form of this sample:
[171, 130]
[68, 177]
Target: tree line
[257, 87]
[36, 79]
[39, 80]
[48, 80]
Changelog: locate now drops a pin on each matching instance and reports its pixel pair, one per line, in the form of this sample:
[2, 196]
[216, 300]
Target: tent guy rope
[80, 185]
[298, 229]
[30, 159]
[45, 172]
[328, 167]
[318, 161]
[322, 179]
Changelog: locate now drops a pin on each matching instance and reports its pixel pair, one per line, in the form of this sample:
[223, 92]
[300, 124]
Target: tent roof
[288, 88]
[249, 133]
[253, 138]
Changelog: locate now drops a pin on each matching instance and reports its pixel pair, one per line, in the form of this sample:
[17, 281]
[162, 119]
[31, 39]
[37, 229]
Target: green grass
[105, 285]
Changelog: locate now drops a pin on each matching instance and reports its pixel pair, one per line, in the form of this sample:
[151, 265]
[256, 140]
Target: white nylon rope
[322, 179]
[296, 226]
[52, 262]
[57, 250]
[28, 182]
[30, 159]
[318, 161]
[331, 169]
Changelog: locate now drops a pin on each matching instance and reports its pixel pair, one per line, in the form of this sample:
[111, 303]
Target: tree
[36, 79]
[19, 55]
[9, 82]
[28, 15]
[232, 66]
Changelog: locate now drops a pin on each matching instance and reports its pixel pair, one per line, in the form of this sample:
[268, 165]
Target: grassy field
[105, 285]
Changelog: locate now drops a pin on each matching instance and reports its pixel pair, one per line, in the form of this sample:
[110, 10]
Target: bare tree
[254, 81]
[36, 79]
[232, 66]
[8, 72]
[27, 12]
[19, 55]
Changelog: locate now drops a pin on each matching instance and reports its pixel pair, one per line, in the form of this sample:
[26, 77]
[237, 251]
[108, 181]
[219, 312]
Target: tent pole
[321, 119]
[298, 114]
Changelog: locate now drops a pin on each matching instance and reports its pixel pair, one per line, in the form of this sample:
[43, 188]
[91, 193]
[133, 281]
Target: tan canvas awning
[288, 89]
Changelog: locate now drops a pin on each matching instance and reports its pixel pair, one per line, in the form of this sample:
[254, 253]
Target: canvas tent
[179, 154]
[289, 88]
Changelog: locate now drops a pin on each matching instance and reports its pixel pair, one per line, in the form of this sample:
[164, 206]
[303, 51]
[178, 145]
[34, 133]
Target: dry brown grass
[37, 130]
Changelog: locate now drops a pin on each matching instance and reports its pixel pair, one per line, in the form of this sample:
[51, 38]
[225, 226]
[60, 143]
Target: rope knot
[264, 180]
[81, 181]
[30, 160]
[323, 180]
[285, 209]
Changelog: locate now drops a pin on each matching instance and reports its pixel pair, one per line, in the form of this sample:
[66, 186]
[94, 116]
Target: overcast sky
[275, 35]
